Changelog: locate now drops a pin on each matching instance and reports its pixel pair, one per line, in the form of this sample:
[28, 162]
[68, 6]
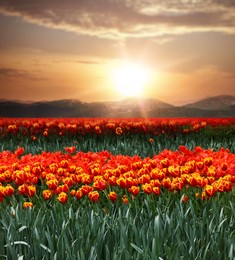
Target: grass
[162, 228]
[129, 144]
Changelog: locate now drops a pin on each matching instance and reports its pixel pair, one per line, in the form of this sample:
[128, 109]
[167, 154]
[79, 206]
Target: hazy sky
[72, 49]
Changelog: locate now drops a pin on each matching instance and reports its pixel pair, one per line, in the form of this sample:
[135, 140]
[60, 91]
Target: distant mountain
[223, 102]
[220, 106]
[134, 107]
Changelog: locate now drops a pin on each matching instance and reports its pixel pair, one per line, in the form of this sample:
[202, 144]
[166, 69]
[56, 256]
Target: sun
[130, 79]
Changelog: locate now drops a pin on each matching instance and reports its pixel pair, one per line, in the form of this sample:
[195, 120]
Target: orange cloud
[123, 18]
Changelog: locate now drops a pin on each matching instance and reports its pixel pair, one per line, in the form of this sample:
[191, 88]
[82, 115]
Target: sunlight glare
[130, 79]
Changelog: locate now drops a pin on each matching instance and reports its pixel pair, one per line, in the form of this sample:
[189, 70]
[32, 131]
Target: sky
[104, 50]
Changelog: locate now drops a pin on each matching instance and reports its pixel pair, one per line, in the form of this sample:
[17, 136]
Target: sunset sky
[95, 50]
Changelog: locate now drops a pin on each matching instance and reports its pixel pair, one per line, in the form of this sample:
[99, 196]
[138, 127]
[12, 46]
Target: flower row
[79, 174]
[81, 126]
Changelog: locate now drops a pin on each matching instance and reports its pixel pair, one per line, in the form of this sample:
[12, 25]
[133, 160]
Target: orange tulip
[62, 197]
[27, 190]
[147, 188]
[9, 190]
[131, 182]
[86, 189]
[97, 130]
[2, 192]
[222, 185]
[118, 131]
[45, 133]
[31, 190]
[79, 194]
[157, 174]
[121, 182]
[94, 196]
[112, 180]
[177, 184]
[99, 185]
[166, 182]
[112, 196]
[209, 190]
[52, 184]
[125, 199]
[145, 178]
[155, 183]
[62, 188]
[164, 163]
[224, 166]
[200, 165]
[27, 205]
[68, 181]
[156, 190]
[134, 190]
[47, 194]
[86, 178]
[73, 193]
[192, 181]
[204, 197]
[208, 161]
[21, 177]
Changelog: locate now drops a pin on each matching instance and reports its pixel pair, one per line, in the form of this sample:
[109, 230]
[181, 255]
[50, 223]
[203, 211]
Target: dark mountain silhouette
[220, 106]
[223, 102]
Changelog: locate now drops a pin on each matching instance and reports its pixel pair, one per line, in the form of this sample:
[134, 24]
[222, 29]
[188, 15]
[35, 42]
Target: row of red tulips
[67, 126]
[79, 174]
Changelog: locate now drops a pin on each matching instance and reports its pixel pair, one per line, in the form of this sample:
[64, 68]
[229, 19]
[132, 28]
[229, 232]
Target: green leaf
[45, 248]
[22, 228]
[139, 250]
[49, 240]
[19, 243]
[231, 252]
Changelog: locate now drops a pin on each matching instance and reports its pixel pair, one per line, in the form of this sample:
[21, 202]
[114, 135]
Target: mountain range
[218, 106]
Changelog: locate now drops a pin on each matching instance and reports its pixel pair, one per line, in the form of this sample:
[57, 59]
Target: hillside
[220, 106]
[219, 103]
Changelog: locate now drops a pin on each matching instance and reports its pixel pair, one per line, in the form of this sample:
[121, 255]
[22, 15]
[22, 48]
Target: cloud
[126, 18]
[88, 62]
[9, 73]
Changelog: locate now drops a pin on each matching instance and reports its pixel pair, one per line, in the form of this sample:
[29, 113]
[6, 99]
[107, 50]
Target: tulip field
[75, 188]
